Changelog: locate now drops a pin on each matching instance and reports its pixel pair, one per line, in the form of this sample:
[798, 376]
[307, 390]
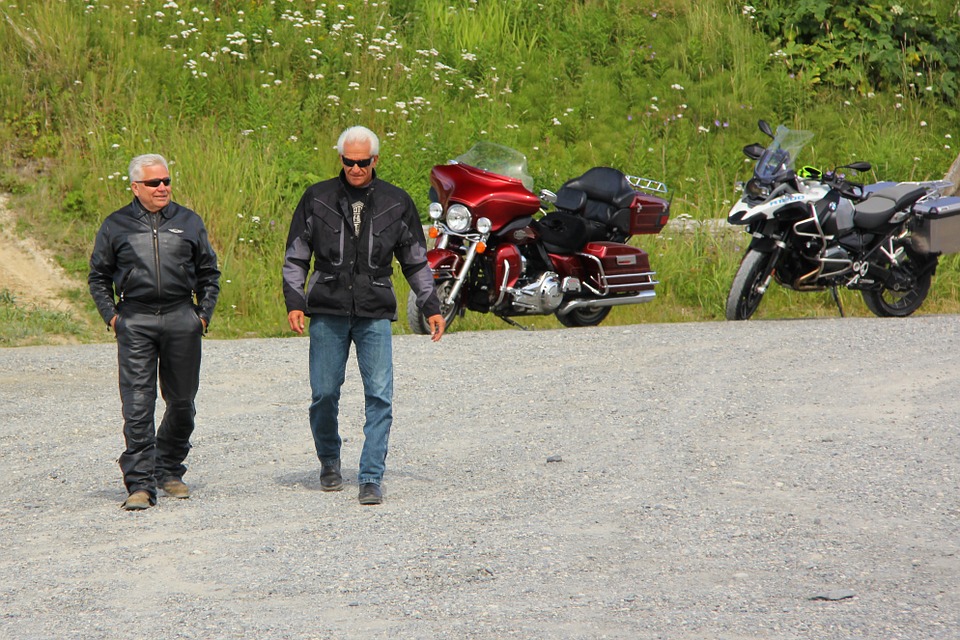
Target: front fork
[477, 245]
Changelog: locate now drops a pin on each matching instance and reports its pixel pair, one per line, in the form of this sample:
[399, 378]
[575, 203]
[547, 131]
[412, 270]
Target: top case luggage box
[939, 228]
[613, 267]
[648, 214]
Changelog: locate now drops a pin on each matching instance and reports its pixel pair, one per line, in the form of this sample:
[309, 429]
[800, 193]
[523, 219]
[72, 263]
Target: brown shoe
[175, 488]
[137, 501]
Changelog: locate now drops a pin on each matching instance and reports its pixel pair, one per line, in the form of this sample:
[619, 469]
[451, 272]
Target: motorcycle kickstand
[514, 323]
[836, 298]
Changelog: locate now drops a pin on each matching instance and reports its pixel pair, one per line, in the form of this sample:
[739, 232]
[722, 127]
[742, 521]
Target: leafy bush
[866, 45]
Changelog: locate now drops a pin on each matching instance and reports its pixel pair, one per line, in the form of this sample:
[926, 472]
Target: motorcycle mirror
[753, 151]
[765, 128]
[548, 196]
[857, 166]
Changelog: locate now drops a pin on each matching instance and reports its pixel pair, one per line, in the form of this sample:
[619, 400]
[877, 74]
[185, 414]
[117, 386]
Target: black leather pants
[147, 345]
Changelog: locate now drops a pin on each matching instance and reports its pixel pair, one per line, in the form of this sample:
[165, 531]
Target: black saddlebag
[561, 232]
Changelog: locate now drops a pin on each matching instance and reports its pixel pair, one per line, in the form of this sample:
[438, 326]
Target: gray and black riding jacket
[351, 272]
[153, 262]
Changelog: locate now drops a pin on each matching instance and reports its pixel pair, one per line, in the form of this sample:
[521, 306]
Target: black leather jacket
[351, 273]
[153, 263]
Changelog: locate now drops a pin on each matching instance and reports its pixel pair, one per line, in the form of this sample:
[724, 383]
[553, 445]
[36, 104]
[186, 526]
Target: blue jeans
[330, 338]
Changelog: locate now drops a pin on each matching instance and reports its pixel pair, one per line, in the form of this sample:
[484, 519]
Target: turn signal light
[481, 247]
[433, 232]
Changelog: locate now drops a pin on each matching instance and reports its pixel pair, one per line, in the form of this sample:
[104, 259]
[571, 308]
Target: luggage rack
[646, 184]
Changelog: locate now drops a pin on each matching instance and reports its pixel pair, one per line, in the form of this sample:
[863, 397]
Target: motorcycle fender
[444, 261]
[764, 244]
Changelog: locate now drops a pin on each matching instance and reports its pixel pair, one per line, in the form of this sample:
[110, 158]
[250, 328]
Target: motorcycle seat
[561, 232]
[877, 210]
[605, 184]
[573, 200]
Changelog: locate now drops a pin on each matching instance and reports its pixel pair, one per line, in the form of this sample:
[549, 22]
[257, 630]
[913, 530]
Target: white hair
[359, 134]
[138, 164]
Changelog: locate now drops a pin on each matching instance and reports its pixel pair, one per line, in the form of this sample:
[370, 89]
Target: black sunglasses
[347, 162]
[156, 182]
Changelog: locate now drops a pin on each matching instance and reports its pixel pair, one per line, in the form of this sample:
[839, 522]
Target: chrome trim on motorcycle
[475, 239]
[646, 184]
[643, 296]
[603, 281]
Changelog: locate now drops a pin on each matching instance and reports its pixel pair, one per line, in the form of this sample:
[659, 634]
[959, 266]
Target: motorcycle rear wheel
[888, 303]
[584, 317]
[418, 322]
[744, 297]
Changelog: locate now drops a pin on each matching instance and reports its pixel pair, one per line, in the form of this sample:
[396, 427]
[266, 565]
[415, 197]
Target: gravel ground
[793, 479]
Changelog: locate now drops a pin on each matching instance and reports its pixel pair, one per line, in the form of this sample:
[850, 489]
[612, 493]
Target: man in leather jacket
[351, 227]
[155, 281]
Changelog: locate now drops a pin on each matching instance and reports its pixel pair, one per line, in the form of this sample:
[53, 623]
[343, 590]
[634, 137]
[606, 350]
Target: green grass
[24, 324]
[247, 102]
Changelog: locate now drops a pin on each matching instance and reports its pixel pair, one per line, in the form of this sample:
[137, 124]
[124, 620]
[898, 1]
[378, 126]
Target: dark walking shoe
[137, 501]
[370, 493]
[330, 478]
[175, 488]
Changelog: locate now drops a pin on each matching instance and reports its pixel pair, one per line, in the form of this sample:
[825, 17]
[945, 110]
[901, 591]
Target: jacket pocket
[377, 298]
[328, 235]
[322, 291]
[386, 233]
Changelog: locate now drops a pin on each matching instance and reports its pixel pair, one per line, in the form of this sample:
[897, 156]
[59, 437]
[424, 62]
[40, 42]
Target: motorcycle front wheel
[745, 292]
[888, 303]
[584, 317]
[418, 322]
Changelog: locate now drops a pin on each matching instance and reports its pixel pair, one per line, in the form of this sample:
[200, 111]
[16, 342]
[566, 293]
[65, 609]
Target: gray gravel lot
[714, 480]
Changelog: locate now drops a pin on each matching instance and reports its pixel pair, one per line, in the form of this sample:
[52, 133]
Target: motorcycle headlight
[458, 218]
[755, 189]
[484, 225]
[435, 210]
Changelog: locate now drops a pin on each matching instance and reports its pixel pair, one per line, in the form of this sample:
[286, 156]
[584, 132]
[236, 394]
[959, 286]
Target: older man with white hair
[154, 278]
[351, 227]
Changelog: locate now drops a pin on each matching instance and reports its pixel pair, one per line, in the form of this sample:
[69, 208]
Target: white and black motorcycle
[814, 231]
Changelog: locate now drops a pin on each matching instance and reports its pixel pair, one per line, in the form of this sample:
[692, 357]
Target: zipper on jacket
[155, 223]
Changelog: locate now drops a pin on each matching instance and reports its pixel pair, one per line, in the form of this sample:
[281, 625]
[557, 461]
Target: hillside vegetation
[246, 99]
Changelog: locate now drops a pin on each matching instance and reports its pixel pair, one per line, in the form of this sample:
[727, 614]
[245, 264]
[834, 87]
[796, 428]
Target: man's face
[358, 176]
[152, 198]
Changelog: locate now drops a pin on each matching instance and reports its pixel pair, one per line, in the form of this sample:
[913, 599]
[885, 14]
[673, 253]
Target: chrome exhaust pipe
[643, 296]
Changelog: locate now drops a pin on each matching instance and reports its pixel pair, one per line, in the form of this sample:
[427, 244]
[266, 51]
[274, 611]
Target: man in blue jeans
[351, 227]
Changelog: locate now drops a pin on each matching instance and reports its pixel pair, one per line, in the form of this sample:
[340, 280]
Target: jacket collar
[345, 184]
[141, 211]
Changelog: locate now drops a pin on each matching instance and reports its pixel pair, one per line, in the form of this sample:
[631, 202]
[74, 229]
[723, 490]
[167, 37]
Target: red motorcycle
[498, 249]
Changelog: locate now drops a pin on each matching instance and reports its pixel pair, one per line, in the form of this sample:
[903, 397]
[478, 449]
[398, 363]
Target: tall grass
[247, 100]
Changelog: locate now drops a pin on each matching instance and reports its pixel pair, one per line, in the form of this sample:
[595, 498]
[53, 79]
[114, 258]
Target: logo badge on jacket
[175, 230]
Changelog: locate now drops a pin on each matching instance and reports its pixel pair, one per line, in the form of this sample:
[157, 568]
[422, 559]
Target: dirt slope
[27, 271]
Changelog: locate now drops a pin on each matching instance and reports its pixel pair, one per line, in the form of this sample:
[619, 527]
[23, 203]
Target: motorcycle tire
[744, 297]
[584, 317]
[418, 322]
[888, 303]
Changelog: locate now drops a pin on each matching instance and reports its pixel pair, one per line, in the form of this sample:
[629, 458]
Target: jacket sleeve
[411, 253]
[296, 259]
[103, 264]
[208, 275]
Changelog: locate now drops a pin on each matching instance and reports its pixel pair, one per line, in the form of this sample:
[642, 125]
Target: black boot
[330, 478]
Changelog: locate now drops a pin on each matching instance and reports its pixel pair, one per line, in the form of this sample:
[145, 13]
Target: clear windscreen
[498, 159]
[781, 155]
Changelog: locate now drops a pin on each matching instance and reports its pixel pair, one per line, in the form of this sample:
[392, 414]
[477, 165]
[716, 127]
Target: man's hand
[295, 318]
[437, 326]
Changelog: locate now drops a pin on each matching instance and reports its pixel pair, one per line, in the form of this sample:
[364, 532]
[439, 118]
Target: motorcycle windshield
[781, 155]
[497, 159]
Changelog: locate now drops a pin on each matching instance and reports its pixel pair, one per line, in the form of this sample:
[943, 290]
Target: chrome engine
[542, 296]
